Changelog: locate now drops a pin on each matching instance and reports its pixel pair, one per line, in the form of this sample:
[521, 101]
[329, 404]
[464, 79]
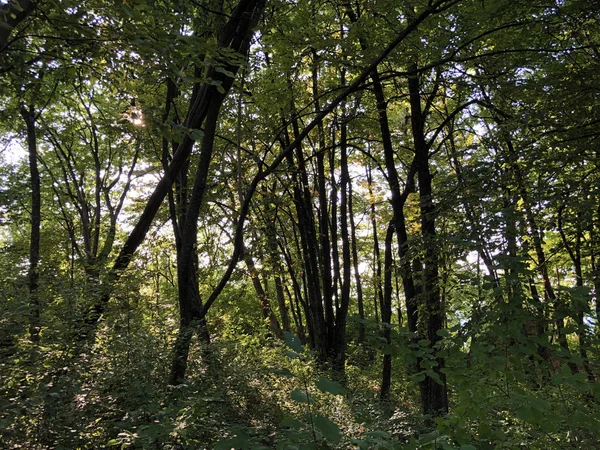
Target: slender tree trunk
[398, 200]
[190, 303]
[357, 277]
[28, 114]
[234, 35]
[299, 304]
[536, 234]
[378, 297]
[337, 270]
[342, 312]
[318, 326]
[434, 397]
[263, 298]
[386, 316]
[323, 222]
[577, 305]
[595, 253]
[274, 258]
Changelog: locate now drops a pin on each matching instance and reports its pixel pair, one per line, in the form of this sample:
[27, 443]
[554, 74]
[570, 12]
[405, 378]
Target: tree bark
[339, 360]
[323, 214]
[434, 397]
[378, 297]
[28, 114]
[235, 35]
[398, 200]
[577, 306]
[357, 277]
[386, 315]
[263, 298]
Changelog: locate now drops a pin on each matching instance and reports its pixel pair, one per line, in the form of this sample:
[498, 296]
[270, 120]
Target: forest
[300, 224]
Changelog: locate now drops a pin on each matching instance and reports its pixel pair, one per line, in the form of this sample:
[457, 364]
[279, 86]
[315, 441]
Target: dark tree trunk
[537, 236]
[234, 35]
[577, 305]
[339, 361]
[299, 305]
[386, 315]
[190, 303]
[434, 397]
[398, 200]
[378, 297]
[325, 243]
[336, 266]
[28, 114]
[274, 258]
[263, 298]
[357, 278]
[318, 327]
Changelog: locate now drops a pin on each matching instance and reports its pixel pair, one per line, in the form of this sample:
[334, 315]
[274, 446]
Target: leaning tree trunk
[234, 36]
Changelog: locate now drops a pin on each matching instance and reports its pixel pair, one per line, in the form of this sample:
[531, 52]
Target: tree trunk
[234, 35]
[28, 114]
[386, 316]
[274, 258]
[339, 354]
[357, 277]
[398, 200]
[190, 304]
[578, 306]
[434, 397]
[325, 243]
[378, 297]
[263, 298]
[318, 327]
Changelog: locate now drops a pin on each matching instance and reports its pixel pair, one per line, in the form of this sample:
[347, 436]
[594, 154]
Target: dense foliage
[300, 224]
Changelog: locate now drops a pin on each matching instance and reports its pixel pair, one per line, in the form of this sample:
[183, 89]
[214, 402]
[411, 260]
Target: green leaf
[240, 441]
[307, 446]
[418, 377]
[225, 72]
[377, 434]
[237, 442]
[195, 134]
[325, 385]
[300, 396]
[16, 5]
[429, 438]
[282, 372]
[290, 354]
[434, 376]
[328, 428]
[292, 341]
[290, 422]
[443, 333]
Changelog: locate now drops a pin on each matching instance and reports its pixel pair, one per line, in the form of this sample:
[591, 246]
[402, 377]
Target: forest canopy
[300, 224]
